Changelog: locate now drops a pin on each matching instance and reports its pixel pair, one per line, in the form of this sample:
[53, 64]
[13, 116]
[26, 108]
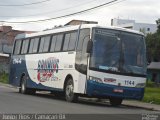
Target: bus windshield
[118, 51]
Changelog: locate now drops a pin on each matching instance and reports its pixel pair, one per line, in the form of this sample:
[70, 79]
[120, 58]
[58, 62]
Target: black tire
[23, 88]
[70, 96]
[115, 101]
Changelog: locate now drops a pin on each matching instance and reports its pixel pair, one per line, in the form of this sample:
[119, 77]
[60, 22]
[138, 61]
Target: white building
[131, 24]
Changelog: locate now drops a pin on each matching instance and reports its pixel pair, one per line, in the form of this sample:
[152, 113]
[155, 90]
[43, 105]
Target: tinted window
[23, 46]
[81, 55]
[83, 34]
[53, 43]
[46, 44]
[31, 45]
[72, 41]
[85, 42]
[26, 46]
[59, 43]
[17, 47]
[41, 44]
[35, 46]
[66, 42]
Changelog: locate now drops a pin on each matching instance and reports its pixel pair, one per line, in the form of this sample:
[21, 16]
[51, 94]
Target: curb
[135, 105]
[142, 106]
[6, 85]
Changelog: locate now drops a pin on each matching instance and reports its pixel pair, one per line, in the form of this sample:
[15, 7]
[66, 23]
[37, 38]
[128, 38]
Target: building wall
[131, 24]
[153, 75]
[146, 28]
[78, 22]
[117, 22]
[7, 36]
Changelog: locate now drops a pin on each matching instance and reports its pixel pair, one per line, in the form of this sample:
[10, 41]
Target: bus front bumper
[104, 90]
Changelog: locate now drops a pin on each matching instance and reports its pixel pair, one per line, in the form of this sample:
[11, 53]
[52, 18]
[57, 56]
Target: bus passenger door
[82, 58]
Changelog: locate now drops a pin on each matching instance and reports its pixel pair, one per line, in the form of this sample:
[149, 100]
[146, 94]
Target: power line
[75, 6]
[27, 4]
[63, 16]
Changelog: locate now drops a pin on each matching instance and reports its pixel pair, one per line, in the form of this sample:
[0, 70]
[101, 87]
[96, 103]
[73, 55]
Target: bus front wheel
[115, 101]
[70, 96]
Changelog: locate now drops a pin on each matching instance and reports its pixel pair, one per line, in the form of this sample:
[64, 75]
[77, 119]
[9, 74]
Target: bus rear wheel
[23, 88]
[115, 101]
[70, 96]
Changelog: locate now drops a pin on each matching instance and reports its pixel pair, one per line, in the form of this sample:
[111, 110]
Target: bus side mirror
[89, 46]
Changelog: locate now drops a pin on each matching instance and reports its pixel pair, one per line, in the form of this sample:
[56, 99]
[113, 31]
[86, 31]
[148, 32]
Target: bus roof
[75, 27]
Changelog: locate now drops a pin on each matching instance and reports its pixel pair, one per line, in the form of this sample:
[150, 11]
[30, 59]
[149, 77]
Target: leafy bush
[4, 77]
[150, 84]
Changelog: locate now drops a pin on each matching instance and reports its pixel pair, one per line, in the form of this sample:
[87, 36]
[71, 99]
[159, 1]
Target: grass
[4, 78]
[152, 95]
[150, 84]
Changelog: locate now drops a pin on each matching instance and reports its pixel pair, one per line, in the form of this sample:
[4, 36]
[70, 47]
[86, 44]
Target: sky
[143, 11]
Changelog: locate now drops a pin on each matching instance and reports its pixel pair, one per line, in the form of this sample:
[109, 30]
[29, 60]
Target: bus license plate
[118, 90]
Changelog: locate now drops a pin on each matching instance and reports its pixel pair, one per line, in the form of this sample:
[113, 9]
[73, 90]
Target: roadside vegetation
[4, 78]
[152, 93]
[153, 44]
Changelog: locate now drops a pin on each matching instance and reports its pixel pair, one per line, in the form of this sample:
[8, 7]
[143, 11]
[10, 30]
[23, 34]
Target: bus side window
[72, 42]
[46, 44]
[23, 46]
[26, 46]
[31, 45]
[53, 43]
[41, 44]
[17, 47]
[35, 46]
[59, 42]
[80, 42]
[66, 41]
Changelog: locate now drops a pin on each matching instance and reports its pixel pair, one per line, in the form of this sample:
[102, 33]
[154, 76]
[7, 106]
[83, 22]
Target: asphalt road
[13, 102]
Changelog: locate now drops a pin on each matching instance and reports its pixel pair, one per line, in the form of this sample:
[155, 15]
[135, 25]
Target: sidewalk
[6, 85]
[129, 103]
[141, 105]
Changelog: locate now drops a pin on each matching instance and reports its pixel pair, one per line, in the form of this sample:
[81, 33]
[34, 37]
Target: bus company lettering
[46, 69]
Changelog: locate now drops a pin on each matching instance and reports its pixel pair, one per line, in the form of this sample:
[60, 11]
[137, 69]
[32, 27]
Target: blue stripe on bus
[105, 90]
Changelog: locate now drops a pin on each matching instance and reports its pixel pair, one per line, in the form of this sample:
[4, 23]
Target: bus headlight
[96, 79]
[140, 85]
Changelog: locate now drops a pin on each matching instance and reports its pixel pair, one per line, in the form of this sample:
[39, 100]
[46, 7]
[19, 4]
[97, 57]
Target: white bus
[82, 60]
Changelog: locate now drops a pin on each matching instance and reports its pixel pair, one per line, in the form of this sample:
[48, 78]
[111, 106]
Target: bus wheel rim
[69, 90]
[23, 87]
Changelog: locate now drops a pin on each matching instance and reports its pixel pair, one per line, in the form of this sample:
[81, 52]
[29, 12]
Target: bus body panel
[42, 72]
[18, 67]
[115, 85]
[108, 91]
[113, 79]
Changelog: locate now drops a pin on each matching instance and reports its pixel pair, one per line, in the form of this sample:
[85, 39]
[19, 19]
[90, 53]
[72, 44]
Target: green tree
[153, 44]
[158, 25]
